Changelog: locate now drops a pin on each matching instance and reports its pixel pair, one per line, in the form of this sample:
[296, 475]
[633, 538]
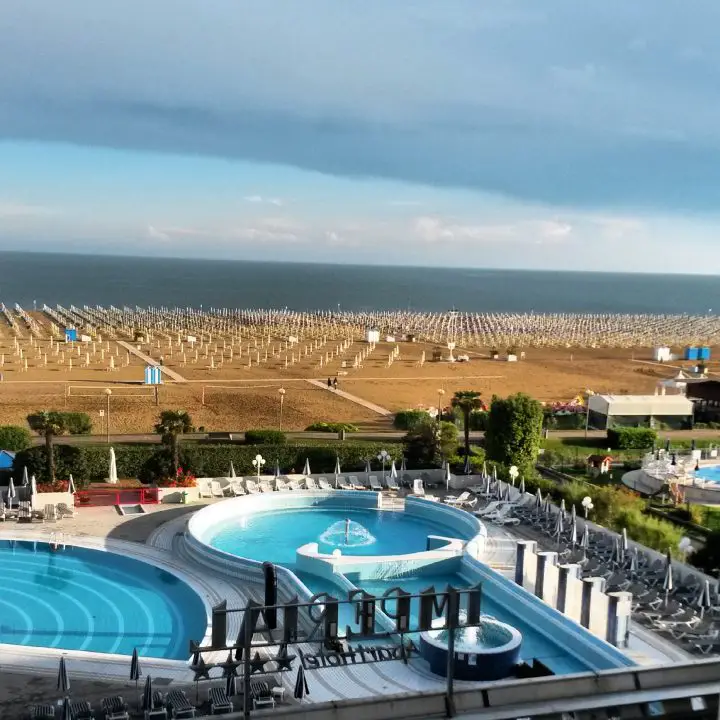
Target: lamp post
[281, 392]
[258, 462]
[587, 505]
[383, 457]
[108, 393]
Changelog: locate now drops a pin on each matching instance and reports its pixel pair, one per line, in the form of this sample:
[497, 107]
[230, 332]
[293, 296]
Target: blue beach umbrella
[63, 681]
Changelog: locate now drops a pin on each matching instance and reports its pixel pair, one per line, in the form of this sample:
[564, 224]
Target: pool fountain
[347, 533]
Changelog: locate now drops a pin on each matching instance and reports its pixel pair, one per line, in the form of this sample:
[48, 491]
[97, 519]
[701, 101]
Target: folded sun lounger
[219, 701]
[179, 705]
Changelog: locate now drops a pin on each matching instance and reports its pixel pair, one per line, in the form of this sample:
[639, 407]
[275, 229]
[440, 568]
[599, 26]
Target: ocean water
[28, 278]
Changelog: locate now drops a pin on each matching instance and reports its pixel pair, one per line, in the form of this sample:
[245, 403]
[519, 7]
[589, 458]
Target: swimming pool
[709, 473]
[275, 535]
[82, 599]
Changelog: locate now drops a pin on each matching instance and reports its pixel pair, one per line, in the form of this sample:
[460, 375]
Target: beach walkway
[146, 358]
[353, 398]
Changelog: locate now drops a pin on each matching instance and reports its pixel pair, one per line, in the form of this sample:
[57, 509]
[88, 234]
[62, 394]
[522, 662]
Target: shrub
[631, 438]
[74, 423]
[14, 438]
[410, 419]
[264, 437]
[331, 427]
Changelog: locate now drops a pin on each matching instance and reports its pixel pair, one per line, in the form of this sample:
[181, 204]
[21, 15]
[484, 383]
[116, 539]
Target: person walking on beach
[335, 384]
[329, 384]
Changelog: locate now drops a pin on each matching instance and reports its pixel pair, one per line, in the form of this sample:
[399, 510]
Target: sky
[546, 135]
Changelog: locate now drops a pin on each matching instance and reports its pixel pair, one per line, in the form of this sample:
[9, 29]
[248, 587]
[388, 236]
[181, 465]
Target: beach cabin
[7, 458]
[662, 354]
[71, 335]
[691, 353]
[372, 335]
[598, 465]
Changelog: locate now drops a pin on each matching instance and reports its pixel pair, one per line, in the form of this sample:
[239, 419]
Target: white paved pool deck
[28, 674]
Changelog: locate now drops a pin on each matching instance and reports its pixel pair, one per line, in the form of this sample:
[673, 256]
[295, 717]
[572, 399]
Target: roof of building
[641, 404]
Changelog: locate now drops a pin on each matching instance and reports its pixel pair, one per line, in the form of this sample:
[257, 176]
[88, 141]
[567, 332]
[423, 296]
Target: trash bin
[183, 497]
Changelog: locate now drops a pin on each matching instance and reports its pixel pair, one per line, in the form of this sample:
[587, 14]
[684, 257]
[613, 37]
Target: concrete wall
[40, 500]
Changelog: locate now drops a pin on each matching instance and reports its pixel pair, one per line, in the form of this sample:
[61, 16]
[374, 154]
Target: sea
[34, 279]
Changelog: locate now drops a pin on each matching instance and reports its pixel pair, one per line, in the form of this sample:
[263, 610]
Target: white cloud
[405, 203]
[436, 229]
[259, 199]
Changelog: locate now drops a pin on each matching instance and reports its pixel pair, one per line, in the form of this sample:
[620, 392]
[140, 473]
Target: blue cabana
[7, 458]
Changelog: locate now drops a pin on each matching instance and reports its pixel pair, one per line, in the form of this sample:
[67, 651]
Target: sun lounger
[41, 712]
[459, 500]
[81, 710]
[355, 484]
[50, 513]
[294, 485]
[25, 512]
[64, 511]
[219, 701]
[324, 484]
[115, 708]
[281, 485]
[204, 489]
[310, 484]
[235, 489]
[391, 483]
[216, 490]
[340, 481]
[158, 707]
[251, 487]
[179, 705]
[261, 695]
[375, 483]
[265, 487]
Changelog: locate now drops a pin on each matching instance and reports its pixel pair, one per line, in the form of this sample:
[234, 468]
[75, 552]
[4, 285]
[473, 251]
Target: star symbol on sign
[257, 664]
[284, 661]
[201, 670]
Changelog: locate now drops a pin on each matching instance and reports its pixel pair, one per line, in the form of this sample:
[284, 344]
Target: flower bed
[182, 479]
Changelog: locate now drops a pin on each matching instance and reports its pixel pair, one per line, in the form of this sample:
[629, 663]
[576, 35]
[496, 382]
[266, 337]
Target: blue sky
[554, 134]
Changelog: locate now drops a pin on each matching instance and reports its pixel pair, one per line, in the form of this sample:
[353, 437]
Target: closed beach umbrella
[522, 485]
[301, 685]
[232, 470]
[538, 498]
[277, 468]
[573, 532]
[585, 541]
[403, 465]
[306, 469]
[633, 567]
[488, 482]
[562, 508]
[147, 700]
[704, 599]
[559, 523]
[393, 470]
[668, 580]
[338, 471]
[467, 469]
[230, 686]
[11, 493]
[573, 513]
[447, 476]
[484, 471]
[71, 484]
[112, 471]
[25, 480]
[67, 713]
[135, 673]
[617, 551]
[368, 469]
[625, 545]
[63, 681]
[33, 487]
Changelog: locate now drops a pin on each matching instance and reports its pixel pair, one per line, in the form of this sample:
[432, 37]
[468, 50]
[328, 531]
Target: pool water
[81, 599]
[709, 473]
[275, 535]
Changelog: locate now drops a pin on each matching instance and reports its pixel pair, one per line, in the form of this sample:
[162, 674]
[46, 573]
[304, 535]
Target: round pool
[82, 599]
[275, 535]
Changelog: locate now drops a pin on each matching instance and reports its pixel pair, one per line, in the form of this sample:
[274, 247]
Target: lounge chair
[64, 511]
[375, 483]
[204, 489]
[340, 480]
[391, 483]
[324, 484]
[25, 512]
[355, 484]
[216, 490]
[235, 489]
[251, 487]
[158, 707]
[115, 708]
[294, 485]
[261, 695]
[310, 484]
[281, 485]
[179, 705]
[459, 500]
[265, 487]
[81, 710]
[50, 513]
[41, 712]
[490, 508]
[219, 701]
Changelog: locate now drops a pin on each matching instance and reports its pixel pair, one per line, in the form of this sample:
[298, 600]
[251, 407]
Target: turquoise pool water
[80, 599]
[710, 473]
[276, 535]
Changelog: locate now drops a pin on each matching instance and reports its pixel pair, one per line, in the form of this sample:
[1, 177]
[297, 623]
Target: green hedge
[265, 437]
[89, 463]
[14, 438]
[410, 419]
[331, 427]
[76, 423]
[622, 438]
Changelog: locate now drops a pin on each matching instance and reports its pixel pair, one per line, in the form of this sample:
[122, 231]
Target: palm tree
[171, 425]
[48, 424]
[467, 401]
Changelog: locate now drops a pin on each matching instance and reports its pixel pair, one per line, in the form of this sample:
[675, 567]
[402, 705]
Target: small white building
[372, 335]
[662, 354]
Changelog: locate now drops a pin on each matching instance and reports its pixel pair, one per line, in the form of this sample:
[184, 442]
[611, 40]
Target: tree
[707, 558]
[514, 431]
[171, 425]
[427, 442]
[466, 401]
[48, 424]
[14, 438]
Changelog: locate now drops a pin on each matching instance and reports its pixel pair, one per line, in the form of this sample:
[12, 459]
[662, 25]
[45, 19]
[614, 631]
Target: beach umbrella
[301, 685]
[25, 480]
[559, 523]
[11, 493]
[573, 531]
[112, 472]
[563, 511]
[634, 562]
[135, 673]
[447, 476]
[368, 469]
[230, 686]
[667, 445]
[338, 471]
[573, 513]
[306, 469]
[66, 713]
[538, 499]
[625, 545]
[393, 470]
[495, 472]
[147, 699]
[63, 681]
[692, 444]
[484, 470]
[617, 551]
[704, 599]
[488, 482]
[522, 485]
[33, 487]
[403, 465]
[585, 541]
[668, 583]
[468, 468]
[277, 468]
[232, 470]
[71, 484]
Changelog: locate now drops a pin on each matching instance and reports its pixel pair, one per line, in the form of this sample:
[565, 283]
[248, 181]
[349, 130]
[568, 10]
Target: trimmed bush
[14, 438]
[264, 437]
[331, 427]
[622, 438]
[76, 423]
[410, 419]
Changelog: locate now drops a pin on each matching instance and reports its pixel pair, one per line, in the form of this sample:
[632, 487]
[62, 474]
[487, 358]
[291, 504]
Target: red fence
[123, 496]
